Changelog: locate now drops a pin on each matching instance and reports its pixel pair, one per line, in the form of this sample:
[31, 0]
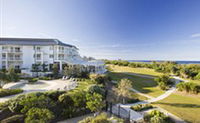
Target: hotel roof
[32, 41]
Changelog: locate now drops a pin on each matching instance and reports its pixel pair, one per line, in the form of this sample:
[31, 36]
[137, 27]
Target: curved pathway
[153, 99]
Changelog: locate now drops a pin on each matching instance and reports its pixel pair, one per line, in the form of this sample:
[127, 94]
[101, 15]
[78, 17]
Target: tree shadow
[183, 105]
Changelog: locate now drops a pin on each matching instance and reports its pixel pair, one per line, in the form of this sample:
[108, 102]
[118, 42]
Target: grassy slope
[184, 106]
[143, 71]
[144, 85]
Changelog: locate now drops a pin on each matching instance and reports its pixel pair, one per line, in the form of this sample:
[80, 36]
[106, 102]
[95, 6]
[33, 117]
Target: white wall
[28, 59]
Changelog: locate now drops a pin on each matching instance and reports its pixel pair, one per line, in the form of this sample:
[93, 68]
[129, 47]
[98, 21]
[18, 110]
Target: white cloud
[196, 35]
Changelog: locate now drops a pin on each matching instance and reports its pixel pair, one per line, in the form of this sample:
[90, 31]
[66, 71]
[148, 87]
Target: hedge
[8, 92]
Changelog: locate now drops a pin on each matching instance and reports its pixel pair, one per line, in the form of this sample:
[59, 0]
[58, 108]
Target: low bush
[102, 118]
[14, 119]
[8, 92]
[141, 107]
[99, 79]
[45, 78]
[32, 80]
[188, 87]
[156, 116]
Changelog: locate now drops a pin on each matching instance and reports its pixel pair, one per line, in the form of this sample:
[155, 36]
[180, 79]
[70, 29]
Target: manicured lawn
[83, 85]
[142, 71]
[142, 84]
[184, 106]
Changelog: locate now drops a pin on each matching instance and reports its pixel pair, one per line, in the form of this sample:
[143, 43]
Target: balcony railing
[12, 51]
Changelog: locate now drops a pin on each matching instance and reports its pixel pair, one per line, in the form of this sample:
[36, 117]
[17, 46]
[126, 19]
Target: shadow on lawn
[139, 83]
[183, 105]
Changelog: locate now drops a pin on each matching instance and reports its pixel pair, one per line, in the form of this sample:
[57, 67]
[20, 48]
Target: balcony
[11, 51]
[14, 59]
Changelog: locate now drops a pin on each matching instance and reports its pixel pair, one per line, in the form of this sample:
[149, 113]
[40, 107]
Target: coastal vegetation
[141, 107]
[156, 116]
[188, 71]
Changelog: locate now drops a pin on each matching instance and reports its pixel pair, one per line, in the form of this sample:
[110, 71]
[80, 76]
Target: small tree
[123, 89]
[12, 76]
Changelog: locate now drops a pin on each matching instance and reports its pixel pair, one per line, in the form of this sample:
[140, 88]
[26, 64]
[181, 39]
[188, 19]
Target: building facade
[22, 53]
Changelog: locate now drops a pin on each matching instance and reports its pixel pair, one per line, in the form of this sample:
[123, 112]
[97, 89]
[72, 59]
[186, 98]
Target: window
[51, 56]
[17, 67]
[51, 48]
[17, 49]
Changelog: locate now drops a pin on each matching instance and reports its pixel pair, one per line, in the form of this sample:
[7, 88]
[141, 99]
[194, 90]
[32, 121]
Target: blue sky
[112, 29]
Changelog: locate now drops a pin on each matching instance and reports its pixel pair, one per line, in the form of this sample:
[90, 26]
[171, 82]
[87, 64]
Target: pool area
[35, 86]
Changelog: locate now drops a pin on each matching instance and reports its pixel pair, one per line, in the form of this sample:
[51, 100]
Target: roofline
[58, 42]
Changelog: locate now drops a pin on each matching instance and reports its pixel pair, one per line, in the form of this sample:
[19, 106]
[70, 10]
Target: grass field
[142, 71]
[83, 85]
[142, 84]
[184, 106]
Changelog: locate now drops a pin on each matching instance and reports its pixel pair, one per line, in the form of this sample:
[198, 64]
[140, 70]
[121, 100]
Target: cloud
[196, 35]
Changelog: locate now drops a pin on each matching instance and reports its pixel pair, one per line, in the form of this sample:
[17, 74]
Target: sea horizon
[177, 61]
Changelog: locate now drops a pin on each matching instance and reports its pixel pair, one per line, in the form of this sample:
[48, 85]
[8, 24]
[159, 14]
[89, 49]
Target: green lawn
[83, 85]
[186, 107]
[142, 71]
[142, 84]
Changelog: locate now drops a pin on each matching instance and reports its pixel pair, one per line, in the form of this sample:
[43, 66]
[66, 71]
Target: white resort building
[22, 53]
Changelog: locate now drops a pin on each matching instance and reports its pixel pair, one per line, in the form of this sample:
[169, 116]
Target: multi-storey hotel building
[22, 53]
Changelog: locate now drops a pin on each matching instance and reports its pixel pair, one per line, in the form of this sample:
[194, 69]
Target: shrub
[95, 102]
[14, 119]
[164, 81]
[37, 115]
[96, 89]
[156, 116]
[188, 87]
[141, 107]
[102, 118]
[8, 92]
[45, 78]
[86, 120]
[100, 79]
[37, 100]
[32, 80]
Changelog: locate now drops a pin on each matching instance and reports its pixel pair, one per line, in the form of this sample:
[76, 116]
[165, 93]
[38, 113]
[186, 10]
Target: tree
[55, 70]
[3, 78]
[123, 89]
[95, 102]
[38, 115]
[12, 76]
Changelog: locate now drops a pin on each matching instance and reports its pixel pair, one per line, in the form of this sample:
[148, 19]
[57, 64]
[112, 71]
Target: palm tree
[123, 89]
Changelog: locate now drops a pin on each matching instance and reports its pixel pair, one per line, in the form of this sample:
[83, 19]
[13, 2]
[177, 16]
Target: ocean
[179, 62]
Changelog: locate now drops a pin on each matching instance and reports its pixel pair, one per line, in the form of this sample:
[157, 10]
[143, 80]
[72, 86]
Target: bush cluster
[99, 78]
[32, 80]
[156, 116]
[164, 82]
[54, 105]
[141, 107]
[188, 87]
[8, 92]
[101, 118]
